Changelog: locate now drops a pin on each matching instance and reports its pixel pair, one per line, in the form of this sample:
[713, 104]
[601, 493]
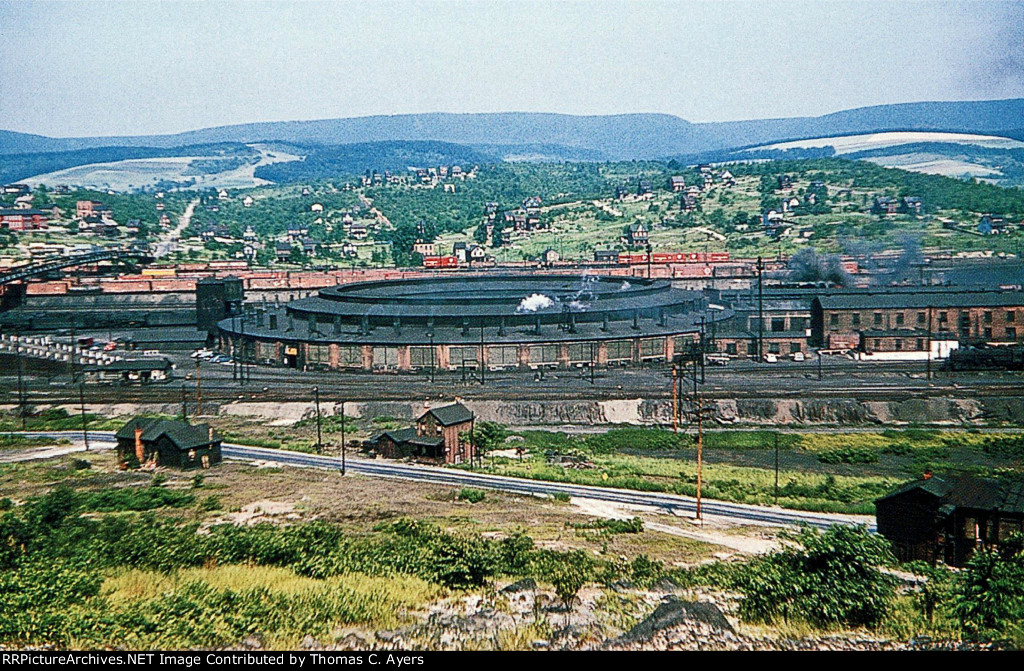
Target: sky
[88, 67]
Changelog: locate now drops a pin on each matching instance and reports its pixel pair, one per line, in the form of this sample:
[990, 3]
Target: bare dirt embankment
[807, 412]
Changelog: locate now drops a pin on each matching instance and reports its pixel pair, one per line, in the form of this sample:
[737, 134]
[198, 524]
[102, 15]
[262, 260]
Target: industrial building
[492, 322]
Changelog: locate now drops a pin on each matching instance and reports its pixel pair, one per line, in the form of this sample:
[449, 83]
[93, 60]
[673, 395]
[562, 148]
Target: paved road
[735, 512]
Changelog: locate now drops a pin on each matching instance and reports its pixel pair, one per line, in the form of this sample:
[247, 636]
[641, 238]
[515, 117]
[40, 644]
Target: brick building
[902, 320]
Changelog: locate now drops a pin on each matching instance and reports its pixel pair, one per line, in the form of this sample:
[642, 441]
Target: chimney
[139, 452]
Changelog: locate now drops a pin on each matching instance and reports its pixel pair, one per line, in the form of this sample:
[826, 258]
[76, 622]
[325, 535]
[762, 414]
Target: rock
[252, 641]
[309, 643]
[539, 644]
[523, 585]
[673, 612]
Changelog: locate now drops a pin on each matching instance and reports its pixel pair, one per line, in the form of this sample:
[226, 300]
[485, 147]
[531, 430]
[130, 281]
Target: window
[460, 355]
[899, 319]
[1011, 332]
[798, 323]
[620, 350]
[752, 348]
[752, 323]
[943, 317]
[582, 352]
[318, 354]
[855, 319]
[878, 344]
[385, 357]
[544, 354]
[773, 347]
[921, 318]
[794, 347]
[350, 356]
[652, 348]
[987, 317]
[1011, 317]
[730, 348]
[987, 332]
[878, 318]
[833, 319]
[504, 355]
[419, 357]
[920, 344]
[778, 324]
[898, 344]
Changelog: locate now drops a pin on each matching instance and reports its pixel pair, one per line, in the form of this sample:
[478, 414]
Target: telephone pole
[343, 437]
[85, 420]
[760, 310]
[199, 390]
[319, 442]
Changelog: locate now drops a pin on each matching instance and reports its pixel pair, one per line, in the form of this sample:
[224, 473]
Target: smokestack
[636, 320]
[572, 322]
[273, 322]
[537, 327]
[465, 327]
[662, 317]
[396, 323]
[604, 322]
[337, 324]
[501, 327]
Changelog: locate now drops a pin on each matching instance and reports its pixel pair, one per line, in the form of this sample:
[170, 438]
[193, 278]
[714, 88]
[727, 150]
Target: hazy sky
[101, 68]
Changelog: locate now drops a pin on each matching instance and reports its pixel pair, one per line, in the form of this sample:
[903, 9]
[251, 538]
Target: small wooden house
[439, 436]
[947, 519]
[164, 442]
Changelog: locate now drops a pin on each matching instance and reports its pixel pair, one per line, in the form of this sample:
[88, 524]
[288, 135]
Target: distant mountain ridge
[615, 137]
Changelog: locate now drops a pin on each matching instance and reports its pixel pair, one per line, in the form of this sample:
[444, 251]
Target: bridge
[57, 263]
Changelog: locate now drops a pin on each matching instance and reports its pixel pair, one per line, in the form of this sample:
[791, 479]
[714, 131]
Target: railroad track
[685, 505]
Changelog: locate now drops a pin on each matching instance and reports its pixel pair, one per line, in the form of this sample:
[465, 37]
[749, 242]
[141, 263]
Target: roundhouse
[468, 321]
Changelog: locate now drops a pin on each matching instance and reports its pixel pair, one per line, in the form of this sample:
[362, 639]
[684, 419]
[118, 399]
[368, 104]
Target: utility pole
[700, 451]
[433, 365]
[819, 365]
[343, 437]
[929, 364]
[21, 383]
[85, 420]
[703, 349]
[184, 404]
[199, 390]
[776, 440]
[319, 443]
[760, 311]
[483, 355]
[675, 400]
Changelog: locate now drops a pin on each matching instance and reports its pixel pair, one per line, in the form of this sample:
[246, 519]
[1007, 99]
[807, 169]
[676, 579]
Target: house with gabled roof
[441, 435]
[151, 442]
[948, 518]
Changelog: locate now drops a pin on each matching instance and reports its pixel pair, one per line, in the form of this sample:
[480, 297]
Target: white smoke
[625, 286]
[535, 302]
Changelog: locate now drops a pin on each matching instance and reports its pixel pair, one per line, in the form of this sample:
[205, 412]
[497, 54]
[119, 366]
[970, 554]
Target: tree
[569, 575]
[480, 234]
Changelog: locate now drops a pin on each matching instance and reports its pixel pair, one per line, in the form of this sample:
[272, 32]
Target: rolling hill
[613, 137]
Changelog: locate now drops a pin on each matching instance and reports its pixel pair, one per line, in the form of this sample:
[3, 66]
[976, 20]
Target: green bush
[848, 455]
[825, 578]
[133, 498]
[988, 595]
[471, 495]
[634, 525]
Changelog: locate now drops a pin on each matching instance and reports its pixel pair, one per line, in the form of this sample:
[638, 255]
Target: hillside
[613, 137]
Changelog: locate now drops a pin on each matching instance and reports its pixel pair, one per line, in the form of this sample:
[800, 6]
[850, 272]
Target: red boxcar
[440, 262]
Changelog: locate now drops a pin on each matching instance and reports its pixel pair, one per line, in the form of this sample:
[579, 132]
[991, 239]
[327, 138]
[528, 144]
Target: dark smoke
[809, 266]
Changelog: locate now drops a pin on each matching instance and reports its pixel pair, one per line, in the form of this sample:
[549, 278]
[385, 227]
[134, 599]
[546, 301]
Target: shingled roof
[456, 413]
[410, 437]
[182, 435]
[1005, 496]
[952, 299]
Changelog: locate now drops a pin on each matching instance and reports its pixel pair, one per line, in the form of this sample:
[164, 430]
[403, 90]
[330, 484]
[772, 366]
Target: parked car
[718, 359]
[201, 354]
[799, 356]
[771, 358]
